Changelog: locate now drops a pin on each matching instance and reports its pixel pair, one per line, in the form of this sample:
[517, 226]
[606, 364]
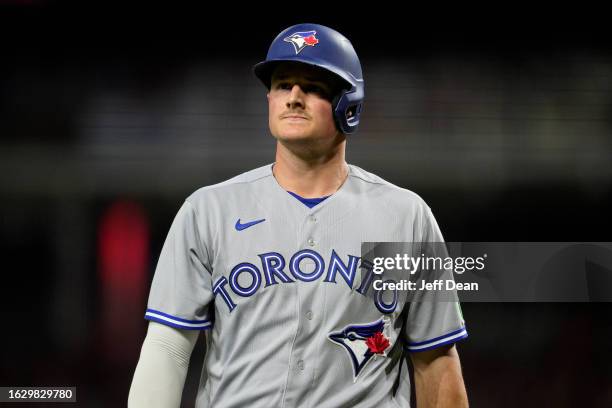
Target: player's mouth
[294, 117]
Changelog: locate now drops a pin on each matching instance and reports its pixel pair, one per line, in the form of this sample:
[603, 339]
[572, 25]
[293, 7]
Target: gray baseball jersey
[290, 314]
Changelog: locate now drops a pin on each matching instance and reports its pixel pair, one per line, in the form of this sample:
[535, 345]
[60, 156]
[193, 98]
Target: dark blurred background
[499, 116]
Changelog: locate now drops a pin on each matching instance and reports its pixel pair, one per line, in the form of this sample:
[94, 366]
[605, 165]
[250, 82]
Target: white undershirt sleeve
[160, 374]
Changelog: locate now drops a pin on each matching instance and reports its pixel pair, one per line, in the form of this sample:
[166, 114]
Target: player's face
[299, 104]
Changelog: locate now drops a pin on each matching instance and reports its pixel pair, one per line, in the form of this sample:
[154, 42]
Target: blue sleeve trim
[437, 338]
[451, 337]
[444, 343]
[177, 322]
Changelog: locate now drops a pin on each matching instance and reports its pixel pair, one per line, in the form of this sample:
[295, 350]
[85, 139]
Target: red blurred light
[123, 262]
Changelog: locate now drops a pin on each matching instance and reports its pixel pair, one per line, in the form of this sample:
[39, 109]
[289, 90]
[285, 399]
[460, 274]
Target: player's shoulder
[383, 189]
[234, 184]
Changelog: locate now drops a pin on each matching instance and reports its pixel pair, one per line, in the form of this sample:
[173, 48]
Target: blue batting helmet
[323, 47]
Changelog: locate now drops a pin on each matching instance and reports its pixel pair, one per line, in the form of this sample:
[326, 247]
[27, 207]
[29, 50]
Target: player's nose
[296, 97]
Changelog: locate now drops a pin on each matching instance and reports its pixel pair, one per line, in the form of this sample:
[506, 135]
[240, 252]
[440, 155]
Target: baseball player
[268, 265]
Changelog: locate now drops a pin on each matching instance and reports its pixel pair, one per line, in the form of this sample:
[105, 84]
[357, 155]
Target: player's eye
[284, 86]
[314, 89]
[318, 90]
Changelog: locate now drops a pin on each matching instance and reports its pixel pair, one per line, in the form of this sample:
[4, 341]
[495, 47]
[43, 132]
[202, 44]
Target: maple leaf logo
[377, 343]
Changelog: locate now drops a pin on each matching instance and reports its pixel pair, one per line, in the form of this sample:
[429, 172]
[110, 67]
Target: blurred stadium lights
[472, 123]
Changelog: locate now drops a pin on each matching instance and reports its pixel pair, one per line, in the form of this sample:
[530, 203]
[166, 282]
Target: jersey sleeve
[181, 294]
[434, 317]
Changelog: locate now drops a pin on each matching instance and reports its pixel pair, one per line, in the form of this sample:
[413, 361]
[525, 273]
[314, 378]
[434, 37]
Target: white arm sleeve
[162, 368]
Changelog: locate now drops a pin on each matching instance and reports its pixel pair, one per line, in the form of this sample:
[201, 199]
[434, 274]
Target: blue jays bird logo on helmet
[301, 40]
[362, 342]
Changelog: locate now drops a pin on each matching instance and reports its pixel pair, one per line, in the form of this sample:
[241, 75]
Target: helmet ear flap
[347, 108]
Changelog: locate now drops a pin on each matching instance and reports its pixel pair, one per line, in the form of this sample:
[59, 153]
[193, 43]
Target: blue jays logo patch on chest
[362, 342]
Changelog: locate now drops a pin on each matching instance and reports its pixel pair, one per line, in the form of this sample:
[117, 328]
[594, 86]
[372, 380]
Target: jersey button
[309, 315]
[311, 242]
[300, 365]
[312, 218]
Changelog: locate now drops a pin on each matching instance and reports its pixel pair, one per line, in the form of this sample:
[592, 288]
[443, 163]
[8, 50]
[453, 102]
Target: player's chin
[295, 133]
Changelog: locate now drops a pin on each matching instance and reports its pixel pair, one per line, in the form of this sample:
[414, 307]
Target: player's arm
[162, 368]
[438, 379]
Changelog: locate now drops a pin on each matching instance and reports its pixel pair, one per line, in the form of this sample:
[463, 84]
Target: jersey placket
[310, 297]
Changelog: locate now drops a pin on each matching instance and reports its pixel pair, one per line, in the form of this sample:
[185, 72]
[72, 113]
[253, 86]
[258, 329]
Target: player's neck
[312, 177]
